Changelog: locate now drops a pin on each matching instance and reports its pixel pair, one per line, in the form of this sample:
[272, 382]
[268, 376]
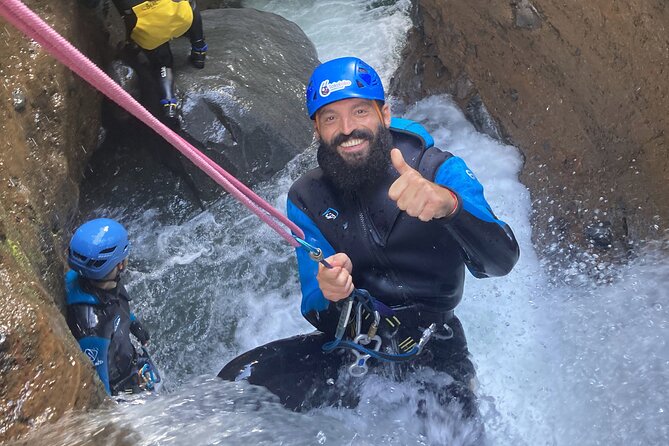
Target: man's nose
[347, 125]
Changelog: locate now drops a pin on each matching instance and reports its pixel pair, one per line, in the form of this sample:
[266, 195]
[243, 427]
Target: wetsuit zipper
[373, 239]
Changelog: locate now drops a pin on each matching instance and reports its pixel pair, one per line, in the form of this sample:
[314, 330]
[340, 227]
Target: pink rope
[19, 15]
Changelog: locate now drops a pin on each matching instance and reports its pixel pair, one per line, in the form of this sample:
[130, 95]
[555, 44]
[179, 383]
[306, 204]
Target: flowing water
[562, 359]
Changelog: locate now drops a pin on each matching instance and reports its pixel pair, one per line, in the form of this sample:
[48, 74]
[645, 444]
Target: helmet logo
[328, 87]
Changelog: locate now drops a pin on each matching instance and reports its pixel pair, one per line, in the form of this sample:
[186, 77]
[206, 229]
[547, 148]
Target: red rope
[19, 15]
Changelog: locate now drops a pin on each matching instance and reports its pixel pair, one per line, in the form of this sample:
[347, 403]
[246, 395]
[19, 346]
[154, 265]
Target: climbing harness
[364, 345]
[25, 20]
[143, 378]
[147, 376]
[368, 345]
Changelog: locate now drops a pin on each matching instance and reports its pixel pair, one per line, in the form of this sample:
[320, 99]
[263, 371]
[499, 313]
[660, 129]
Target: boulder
[246, 109]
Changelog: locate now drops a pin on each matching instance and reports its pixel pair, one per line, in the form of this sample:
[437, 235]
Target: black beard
[349, 176]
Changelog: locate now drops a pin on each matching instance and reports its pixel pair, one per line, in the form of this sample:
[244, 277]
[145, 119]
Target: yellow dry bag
[158, 21]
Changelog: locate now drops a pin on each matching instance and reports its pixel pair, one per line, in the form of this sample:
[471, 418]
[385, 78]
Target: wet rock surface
[246, 107]
[47, 119]
[580, 88]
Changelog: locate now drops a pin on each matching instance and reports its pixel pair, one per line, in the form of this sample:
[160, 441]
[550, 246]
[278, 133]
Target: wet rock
[212, 4]
[127, 78]
[246, 107]
[478, 114]
[18, 100]
[600, 234]
[526, 15]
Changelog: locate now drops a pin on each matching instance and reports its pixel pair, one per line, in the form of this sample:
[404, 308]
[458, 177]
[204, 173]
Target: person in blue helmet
[98, 307]
[394, 216]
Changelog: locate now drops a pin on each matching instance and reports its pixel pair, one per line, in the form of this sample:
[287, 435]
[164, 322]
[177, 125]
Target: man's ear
[385, 112]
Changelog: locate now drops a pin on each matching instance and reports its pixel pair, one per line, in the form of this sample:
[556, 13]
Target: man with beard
[391, 215]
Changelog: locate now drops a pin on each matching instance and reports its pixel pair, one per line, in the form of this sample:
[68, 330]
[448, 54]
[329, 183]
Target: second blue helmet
[343, 78]
[97, 247]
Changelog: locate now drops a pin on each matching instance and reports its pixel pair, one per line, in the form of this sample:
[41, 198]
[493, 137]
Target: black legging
[297, 369]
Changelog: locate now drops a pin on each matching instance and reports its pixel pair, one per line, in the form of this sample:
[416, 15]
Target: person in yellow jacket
[151, 24]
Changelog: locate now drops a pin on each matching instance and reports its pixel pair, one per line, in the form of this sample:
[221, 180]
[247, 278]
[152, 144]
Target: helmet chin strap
[378, 112]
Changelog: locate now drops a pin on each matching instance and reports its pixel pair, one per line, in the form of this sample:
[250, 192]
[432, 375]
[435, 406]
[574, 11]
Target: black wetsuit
[102, 322]
[417, 267]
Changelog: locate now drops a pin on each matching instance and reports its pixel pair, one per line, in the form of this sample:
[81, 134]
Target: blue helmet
[343, 78]
[97, 247]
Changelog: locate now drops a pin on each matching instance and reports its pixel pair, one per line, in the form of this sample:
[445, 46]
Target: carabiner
[315, 254]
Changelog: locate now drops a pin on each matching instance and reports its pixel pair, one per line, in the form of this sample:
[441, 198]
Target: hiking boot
[198, 54]
[169, 109]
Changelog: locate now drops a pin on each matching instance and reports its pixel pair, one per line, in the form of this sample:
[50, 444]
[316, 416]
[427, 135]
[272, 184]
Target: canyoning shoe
[169, 109]
[198, 55]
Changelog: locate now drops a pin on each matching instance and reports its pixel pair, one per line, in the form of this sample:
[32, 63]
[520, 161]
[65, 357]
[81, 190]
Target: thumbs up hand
[417, 196]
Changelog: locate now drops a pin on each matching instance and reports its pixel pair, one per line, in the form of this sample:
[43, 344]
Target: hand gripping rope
[360, 341]
[25, 20]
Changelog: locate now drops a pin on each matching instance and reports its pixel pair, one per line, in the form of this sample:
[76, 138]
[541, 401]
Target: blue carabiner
[316, 254]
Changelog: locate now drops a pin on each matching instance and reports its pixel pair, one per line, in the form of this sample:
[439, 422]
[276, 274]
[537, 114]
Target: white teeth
[352, 142]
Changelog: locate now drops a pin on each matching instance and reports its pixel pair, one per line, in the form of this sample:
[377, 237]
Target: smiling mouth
[352, 143]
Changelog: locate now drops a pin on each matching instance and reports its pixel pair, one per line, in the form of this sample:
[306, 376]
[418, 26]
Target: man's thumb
[398, 161]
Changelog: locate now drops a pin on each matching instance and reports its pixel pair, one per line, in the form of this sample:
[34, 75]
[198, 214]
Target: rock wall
[48, 119]
[581, 88]
[51, 124]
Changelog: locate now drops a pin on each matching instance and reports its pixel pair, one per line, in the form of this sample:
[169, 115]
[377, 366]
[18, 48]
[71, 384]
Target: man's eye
[361, 111]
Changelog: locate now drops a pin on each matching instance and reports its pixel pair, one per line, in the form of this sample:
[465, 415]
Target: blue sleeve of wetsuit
[97, 349]
[312, 297]
[488, 243]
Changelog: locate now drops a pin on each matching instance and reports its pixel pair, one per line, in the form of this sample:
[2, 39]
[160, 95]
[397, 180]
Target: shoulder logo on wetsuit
[93, 354]
[327, 87]
[330, 214]
[117, 321]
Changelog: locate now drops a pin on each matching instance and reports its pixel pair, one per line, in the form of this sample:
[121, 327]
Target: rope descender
[316, 254]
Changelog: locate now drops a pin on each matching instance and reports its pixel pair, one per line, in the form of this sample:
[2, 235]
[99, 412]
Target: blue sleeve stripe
[455, 175]
[312, 297]
[96, 349]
